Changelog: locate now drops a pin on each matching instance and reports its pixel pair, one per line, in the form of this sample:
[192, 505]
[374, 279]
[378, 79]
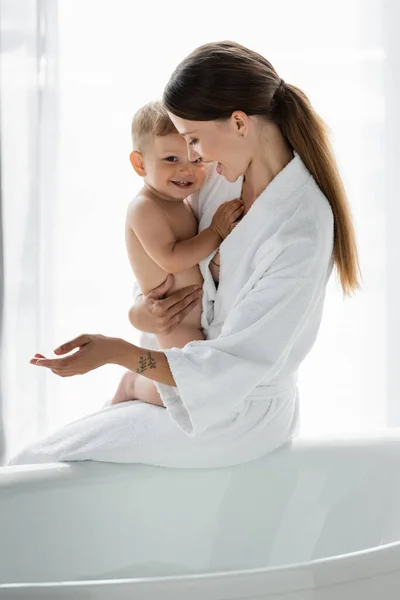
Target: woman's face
[216, 141]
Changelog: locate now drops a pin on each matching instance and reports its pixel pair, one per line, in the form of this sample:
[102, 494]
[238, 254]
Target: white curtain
[72, 76]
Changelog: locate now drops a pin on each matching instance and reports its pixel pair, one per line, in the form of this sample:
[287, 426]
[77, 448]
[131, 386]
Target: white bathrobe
[236, 397]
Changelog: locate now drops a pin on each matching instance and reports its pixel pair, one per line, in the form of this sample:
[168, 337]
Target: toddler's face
[169, 169]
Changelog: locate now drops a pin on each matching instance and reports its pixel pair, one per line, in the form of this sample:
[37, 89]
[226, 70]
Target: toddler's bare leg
[126, 388]
[135, 387]
[146, 391]
[178, 338]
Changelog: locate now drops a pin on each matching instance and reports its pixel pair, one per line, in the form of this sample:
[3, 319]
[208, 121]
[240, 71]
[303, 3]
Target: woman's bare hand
[225, 217]
[92, 351]
[157, 314]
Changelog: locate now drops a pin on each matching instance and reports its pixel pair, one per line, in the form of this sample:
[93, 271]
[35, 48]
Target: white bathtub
[316, 521]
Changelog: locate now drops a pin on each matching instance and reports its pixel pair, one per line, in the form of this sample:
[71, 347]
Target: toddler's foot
[126, 388]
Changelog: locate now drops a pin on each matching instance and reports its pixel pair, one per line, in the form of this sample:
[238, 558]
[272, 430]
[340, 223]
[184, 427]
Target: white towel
[135, 432]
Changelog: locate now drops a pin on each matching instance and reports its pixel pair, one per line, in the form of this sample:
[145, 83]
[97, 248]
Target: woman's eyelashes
[193, 142]
[198, 161]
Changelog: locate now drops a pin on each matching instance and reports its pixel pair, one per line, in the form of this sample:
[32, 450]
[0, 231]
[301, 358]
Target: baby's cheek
[201, 175]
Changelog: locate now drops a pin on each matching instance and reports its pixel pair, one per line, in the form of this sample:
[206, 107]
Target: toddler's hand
[225, 217]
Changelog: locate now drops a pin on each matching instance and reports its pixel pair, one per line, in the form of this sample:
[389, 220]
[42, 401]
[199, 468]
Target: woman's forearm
[152, 364]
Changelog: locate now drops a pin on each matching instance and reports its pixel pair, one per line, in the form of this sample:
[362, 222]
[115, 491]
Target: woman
[232, 397]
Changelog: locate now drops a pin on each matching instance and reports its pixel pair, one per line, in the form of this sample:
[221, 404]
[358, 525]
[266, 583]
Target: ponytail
[307, 133]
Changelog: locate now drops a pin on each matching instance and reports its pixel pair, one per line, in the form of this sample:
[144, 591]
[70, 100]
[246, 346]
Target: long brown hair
[221, 77]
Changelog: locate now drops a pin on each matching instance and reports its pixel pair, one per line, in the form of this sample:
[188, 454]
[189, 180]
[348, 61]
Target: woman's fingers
[75, 343]
[178, 318]
[51, 363]
[170, 311]
[37, 357]
[180, 299]
[93, 351]
[163, 288]
[184, 307]
[61, 365]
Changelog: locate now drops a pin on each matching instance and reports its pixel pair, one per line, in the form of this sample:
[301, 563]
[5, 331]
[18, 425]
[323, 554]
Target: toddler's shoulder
[143, 209]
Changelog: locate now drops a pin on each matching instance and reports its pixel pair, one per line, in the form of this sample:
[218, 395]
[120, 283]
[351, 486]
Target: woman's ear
[137, 163]
[240, 122]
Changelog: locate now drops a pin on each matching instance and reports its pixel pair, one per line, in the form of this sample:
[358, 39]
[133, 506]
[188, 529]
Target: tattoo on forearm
[146, 362]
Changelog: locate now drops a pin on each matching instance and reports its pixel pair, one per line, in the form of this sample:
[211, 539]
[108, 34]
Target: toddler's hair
[152, 119]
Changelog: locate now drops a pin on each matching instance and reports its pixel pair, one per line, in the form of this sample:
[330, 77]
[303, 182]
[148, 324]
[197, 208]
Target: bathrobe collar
[283, 186]
[286, 183]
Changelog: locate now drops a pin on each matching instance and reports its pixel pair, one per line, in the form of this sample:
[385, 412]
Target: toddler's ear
[137, 163]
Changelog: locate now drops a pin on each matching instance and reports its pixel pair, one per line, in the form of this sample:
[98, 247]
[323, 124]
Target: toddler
[161, 228]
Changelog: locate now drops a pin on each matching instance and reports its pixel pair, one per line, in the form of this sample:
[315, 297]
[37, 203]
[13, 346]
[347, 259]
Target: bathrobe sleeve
[136, 291]
[213, 377]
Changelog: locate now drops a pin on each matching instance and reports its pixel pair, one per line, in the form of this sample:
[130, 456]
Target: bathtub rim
[389, 437]
[293, 577]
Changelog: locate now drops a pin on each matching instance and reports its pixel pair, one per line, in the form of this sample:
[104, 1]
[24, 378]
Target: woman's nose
[192, 154]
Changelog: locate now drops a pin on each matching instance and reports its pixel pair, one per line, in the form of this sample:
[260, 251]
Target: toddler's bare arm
[155, 234]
